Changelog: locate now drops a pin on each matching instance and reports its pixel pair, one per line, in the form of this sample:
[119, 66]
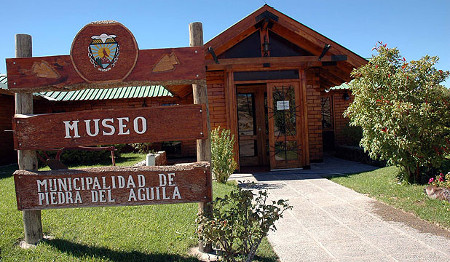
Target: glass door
[251, 125]
[284, 125]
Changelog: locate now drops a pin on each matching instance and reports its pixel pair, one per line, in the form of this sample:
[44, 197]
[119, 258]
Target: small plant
[240, 221]
[223, 164]
[441, 180]
[142, 148]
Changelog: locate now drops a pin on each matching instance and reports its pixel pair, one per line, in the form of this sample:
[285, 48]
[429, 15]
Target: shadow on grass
[8, 170]
[83, 251]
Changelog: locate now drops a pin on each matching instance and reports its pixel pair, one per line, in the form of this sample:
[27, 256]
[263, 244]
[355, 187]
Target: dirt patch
[389, 213]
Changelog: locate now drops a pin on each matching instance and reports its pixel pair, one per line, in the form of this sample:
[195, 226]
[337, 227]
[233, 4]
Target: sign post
[200, 94]
[27, 159]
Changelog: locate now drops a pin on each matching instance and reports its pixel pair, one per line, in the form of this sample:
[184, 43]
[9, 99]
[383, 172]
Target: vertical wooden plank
[27, 159]
[231, 103]
[200, 95]
[299, 122]
[270, 116]
[303, 85]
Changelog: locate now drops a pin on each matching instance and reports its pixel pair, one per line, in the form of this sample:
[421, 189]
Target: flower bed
[439, 187]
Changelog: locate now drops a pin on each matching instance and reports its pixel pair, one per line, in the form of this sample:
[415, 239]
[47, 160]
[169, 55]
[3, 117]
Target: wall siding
[314, 112]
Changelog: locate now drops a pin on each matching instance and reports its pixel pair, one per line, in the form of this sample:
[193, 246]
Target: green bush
[142, 148]
[404, 112]
[222, 161]
[239, 222]
[351, 135]
[82, 157]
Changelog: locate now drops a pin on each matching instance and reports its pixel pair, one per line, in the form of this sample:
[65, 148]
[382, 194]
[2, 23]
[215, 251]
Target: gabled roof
[295, 33]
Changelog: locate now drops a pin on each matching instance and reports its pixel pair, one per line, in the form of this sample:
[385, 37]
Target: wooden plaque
[104, 127]
[170, 66]
[104, 51]
[113, 186]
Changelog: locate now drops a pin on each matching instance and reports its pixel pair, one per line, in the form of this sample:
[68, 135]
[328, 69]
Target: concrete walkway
[330, 222]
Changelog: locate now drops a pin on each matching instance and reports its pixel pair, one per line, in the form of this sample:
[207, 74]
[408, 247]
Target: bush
[82, 157]
[142, 148]
[222, 161]
[351, 135]
[239, 223]
[404, 112]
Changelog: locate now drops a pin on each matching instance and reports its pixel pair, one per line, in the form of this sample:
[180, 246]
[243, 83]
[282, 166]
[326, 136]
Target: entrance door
[252, 113]
[284, 125]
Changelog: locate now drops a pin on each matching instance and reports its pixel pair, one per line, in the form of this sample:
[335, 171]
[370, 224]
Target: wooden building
[269, 80]
[275, 83]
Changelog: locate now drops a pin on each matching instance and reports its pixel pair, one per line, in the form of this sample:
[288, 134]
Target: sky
[416, 27]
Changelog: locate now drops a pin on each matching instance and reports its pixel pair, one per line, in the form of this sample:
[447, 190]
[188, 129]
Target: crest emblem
[103, 51]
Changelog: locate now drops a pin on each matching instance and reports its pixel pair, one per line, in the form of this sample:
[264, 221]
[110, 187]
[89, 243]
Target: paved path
[330, 222]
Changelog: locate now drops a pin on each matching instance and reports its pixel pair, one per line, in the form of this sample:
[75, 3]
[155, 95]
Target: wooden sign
[103, 51]
[113, 186]
[105, 55]
[104, 127]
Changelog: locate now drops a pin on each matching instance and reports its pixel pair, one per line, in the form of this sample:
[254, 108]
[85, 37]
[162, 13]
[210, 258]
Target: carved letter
[73, 126]
[88, 127]
[122, 126]
[111, 127]
[136, 125]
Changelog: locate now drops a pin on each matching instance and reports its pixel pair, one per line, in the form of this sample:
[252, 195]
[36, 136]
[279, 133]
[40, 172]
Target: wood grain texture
[57, 73]
[27, 159]
[116, 126]
[113, 186]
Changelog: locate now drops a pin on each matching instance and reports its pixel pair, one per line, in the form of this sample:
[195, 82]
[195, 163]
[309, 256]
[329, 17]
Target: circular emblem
[104, 51]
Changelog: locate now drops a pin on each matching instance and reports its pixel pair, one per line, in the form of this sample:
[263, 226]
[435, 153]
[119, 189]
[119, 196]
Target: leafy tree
[404, 112]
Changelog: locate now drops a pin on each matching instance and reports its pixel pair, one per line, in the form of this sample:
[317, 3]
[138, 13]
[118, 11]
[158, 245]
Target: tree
[404, 112]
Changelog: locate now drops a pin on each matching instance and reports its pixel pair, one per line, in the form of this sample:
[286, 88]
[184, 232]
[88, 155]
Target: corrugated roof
[343, 86]
[3, 82]
[103, 94]
[98, 94]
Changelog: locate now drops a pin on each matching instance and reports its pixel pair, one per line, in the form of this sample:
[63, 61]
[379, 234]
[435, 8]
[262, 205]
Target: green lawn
[134, 233]
[382, 185]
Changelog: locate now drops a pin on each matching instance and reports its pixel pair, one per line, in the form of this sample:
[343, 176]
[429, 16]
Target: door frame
[260, 135]
[299, 130]
[231, 108]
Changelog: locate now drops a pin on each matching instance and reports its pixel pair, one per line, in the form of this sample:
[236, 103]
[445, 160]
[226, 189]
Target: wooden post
[200, 94]
[27, 159]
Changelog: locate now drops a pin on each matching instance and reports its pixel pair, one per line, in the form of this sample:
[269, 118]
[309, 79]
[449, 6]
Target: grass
[382, 185]
[132, 233]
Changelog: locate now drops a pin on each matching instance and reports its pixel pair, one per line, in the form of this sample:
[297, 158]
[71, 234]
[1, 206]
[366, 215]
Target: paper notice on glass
[282, 105]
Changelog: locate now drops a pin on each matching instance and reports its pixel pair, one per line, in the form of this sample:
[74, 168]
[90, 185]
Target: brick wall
[7, 153]
[314, 112]
[340, 105]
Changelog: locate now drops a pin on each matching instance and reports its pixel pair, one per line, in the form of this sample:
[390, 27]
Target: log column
[27, 159]
[200, 96]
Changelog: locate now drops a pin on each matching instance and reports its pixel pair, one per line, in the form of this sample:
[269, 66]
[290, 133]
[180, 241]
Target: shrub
[222, 161]
[82, 157]
[239, 223]
[351, 135]
[404, 112]
[142, 148]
